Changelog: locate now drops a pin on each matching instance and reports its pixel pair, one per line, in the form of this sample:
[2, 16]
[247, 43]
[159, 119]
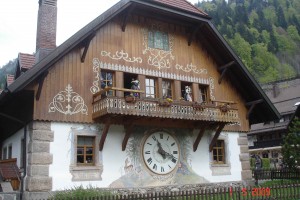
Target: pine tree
[291, 146]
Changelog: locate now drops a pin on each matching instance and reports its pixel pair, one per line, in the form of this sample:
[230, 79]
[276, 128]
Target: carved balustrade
[157, 108]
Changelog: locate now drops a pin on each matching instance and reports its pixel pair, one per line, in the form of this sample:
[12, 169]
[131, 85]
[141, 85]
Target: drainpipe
[24, 149]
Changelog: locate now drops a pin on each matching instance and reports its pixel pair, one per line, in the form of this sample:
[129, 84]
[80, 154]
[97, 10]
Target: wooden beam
[215, 138]
[41, 83]
[126, 17]
[224, 69]
[198, 139]
[192, 36]
[128, 130]
[252, 105]
[86, 47]
[103, 136]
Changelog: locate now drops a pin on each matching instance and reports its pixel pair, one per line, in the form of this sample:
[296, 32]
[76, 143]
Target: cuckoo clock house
[147, 94]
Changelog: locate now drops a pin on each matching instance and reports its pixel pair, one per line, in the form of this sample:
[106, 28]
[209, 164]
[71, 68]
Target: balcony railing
[267, 143]
[164, 109]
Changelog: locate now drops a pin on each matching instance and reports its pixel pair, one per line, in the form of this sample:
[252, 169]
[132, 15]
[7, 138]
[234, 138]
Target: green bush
[81, 193]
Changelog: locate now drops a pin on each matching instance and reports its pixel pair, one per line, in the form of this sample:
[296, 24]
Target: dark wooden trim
[215, 138]
[199, 137]
[128, 131]
[126, 17]
[224, 69]
[193, 34]
[86, 46]
[41, 83]
[103, 136]
[252, 105]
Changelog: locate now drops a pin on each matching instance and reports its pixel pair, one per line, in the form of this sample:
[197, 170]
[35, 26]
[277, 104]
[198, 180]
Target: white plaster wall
[112, 155]
[15, 141]
[201, 159]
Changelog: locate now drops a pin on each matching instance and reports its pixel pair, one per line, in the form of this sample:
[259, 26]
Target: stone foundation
[39, 158]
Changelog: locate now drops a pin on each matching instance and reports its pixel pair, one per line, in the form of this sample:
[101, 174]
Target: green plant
[81, 193]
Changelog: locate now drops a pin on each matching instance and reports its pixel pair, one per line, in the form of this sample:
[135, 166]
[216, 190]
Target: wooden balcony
[217, 111]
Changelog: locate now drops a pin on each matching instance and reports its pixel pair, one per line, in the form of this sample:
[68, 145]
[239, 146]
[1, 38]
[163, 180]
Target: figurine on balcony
[188, 93]
[135, 85]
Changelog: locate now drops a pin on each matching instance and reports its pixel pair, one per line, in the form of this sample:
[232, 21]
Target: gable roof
[183, 4]
[168, 10]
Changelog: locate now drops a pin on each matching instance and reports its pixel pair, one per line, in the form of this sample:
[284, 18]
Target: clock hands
[163, 153]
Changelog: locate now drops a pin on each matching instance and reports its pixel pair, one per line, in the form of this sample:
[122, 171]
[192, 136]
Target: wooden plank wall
[110, 38]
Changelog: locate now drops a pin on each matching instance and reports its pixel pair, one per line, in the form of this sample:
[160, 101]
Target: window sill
[220, 169]
[86, 172]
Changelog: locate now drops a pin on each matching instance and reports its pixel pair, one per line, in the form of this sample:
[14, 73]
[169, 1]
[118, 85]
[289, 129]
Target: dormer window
[158, 40]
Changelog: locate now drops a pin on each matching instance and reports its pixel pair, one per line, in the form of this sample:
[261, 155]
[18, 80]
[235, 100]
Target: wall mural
[134, 172]
[68, 102]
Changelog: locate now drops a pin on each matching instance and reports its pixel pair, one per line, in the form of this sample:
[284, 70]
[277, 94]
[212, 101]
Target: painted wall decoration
[68, 102]
[136, 174]
[121, 55]
[158, 57]
[98, 65]
[191, 68]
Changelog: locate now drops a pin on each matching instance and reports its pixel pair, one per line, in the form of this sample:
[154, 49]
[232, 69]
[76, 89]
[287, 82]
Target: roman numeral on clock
[155, 167]
[149, 160]
[161, 136]
[162, 169]
[147, 152]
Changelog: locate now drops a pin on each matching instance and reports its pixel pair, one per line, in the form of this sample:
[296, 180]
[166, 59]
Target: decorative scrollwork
[96, 69]
[212, 88]
[68, 102]
[121, 55]
[191, 67]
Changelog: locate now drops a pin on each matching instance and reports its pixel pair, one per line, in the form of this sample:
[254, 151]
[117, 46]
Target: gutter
[24, 149]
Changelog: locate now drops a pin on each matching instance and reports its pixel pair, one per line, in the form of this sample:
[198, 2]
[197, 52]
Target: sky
[18, 19]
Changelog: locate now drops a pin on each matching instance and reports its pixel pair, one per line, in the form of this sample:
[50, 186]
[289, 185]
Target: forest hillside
[263, 33]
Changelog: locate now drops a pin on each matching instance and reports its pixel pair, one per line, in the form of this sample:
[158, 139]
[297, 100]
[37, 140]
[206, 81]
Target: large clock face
[161, 152]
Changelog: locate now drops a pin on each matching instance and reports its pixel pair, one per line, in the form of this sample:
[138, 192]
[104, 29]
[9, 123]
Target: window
[203, 92]
[85, 150]
[4, 154]
[167, 89]
[219, 152]
[158, 40]
[9, 151]
[107, 80]
[150, 87]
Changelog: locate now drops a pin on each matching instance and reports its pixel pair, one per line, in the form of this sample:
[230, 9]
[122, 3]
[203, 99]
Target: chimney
[46, 29]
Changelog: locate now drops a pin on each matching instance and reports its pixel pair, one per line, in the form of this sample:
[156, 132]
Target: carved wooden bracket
[215, 138]
[103, 136]
[126, 17]
[128, 130]
[86, 46]
[252, 105]
[198, 139]
[192, 36]
[41, 83]
[223, 69]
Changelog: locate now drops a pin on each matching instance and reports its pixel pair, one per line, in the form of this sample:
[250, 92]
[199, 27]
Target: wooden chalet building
[83, 123]
[266, 139]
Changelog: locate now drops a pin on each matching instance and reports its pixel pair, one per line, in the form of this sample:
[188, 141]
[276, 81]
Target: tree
[291, 146]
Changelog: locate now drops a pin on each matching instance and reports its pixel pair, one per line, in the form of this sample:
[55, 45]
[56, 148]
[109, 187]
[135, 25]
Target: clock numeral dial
[161, 153]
